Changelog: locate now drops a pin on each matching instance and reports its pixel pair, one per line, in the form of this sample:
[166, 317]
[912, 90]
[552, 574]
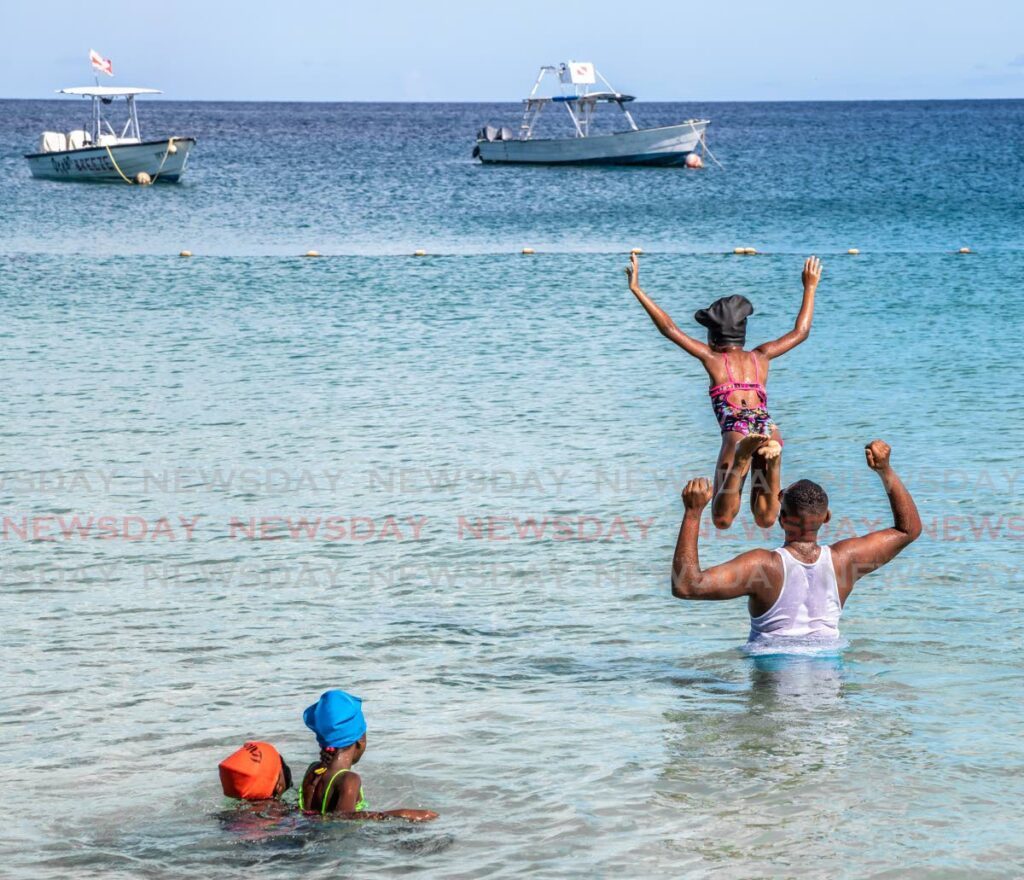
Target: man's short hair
[805, 497]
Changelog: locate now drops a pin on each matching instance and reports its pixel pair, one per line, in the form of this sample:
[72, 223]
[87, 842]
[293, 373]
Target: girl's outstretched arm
[666, 326]
[802, 328]
[348, 797]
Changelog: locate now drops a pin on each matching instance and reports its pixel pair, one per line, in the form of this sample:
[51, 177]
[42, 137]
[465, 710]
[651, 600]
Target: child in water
[255, 772]
[750, 438]
[330, 784]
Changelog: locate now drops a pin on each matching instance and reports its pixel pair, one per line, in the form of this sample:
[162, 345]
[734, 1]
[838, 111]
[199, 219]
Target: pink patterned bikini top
[726, 388]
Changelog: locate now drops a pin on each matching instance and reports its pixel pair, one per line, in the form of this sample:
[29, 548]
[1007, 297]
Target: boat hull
[669, 145]
[94, 163]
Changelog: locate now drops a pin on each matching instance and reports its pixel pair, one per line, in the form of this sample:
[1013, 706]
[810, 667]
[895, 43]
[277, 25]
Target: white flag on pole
[101, 64]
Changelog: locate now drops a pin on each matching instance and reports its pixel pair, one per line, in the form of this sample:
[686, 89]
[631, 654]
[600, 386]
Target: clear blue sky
[393, 50]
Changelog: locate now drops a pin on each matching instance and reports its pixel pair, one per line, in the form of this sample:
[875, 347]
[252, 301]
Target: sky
[395, 50]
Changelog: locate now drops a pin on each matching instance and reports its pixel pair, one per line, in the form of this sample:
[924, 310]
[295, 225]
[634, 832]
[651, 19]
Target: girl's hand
[633, 272]
[812, 272]
[417, 815]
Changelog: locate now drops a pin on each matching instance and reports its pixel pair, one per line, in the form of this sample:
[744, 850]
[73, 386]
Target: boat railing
[578, 101]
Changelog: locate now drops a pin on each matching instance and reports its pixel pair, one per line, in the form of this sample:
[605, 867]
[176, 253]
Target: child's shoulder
[352, 778]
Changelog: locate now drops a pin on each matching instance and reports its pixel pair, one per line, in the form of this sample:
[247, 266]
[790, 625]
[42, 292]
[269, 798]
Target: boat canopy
[107, 91]
[574, 79]
[100, 128]
[610, 97]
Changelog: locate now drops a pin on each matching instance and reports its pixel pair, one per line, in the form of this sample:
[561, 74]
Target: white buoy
[527, 251]
[964, 250]
[311, 254]
[185, 254]
[853, 252]
[739, 250]
[749, 251]
[143, 179]
[419, 253]
[692, 160]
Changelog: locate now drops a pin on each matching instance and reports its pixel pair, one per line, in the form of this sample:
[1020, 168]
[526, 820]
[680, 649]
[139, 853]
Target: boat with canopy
[666, 145]
[99, 151]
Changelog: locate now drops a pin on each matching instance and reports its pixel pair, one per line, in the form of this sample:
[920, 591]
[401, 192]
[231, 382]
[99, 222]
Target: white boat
[667, 145]
[101, 153]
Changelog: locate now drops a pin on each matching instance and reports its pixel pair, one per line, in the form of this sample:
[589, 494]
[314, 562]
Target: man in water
[797, 591]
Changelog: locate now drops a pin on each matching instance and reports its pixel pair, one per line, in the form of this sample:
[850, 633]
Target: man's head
[804, 508]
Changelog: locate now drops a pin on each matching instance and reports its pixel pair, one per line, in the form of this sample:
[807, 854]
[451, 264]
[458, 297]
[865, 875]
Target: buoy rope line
[117, 168]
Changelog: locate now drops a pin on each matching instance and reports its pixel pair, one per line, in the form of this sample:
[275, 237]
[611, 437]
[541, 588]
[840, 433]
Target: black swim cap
[287, 775]
[726, 320]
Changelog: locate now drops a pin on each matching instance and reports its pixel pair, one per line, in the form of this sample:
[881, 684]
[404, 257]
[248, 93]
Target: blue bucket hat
[336, 719]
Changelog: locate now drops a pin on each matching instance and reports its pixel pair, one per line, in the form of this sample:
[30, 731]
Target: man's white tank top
[808, 604]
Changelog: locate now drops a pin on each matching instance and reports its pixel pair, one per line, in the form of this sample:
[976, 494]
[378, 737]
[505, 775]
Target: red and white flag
[101, 64]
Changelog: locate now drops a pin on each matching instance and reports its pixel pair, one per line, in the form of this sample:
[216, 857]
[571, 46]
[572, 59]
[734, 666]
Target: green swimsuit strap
[360, 804]
[303, 783]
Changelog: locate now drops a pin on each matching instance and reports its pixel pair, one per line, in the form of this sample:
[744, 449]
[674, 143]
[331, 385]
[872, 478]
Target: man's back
[808, 603]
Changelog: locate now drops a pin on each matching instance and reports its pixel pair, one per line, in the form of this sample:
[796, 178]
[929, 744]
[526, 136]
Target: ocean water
[450, 485]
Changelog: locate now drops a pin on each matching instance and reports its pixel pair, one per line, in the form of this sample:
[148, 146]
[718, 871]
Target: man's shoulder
[762, 560]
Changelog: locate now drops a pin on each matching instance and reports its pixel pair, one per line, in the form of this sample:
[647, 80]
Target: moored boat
[665, 145]
[100, 152]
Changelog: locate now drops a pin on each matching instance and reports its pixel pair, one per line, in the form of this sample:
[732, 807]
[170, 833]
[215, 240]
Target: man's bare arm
[802, 328]
[856, 557]
[666, 326]
[746, 574]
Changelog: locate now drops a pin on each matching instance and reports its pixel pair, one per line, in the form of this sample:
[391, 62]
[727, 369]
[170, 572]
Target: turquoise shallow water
[543, 693]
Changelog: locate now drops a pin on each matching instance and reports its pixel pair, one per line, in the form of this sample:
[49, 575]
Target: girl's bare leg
[766, 482]
[733, 463]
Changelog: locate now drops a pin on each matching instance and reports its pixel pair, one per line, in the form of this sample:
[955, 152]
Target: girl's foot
[748, 445]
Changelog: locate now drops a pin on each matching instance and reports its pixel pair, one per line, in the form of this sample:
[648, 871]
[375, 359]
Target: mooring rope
[170, 143]
[704, 145]
[117, 168]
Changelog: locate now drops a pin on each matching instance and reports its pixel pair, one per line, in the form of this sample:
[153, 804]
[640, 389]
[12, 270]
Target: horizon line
[163, 98]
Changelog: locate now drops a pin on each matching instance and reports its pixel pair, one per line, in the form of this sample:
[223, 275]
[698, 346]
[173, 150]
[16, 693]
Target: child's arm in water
[802, 328]
[856, 557]
[348, 797]
[756, 572]
[666, 326]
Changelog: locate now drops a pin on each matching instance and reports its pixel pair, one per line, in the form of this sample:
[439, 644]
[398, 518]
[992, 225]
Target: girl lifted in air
[738, 396]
